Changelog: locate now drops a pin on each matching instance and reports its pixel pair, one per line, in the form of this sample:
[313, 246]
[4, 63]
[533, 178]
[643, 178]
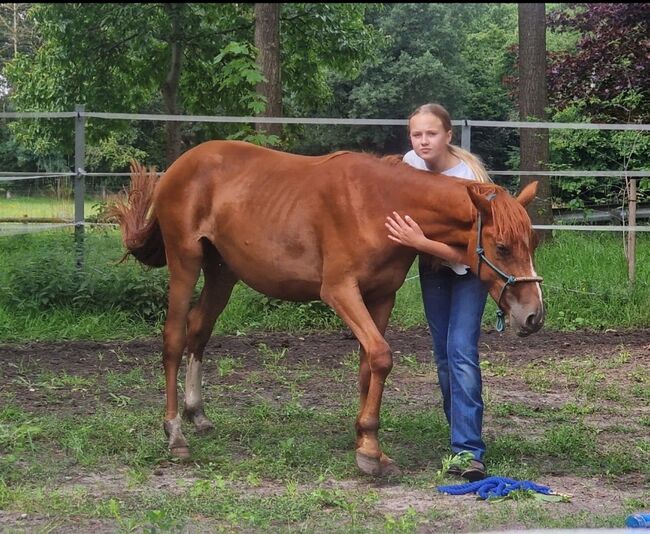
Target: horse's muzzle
[532, 323]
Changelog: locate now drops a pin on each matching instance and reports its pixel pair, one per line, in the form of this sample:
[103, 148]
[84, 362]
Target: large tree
[16, 31]
[177, 26]
[532, 107]
[267, 42]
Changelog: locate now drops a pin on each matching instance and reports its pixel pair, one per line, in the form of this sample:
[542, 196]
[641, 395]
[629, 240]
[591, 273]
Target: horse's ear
[527, 194]
[482, 197]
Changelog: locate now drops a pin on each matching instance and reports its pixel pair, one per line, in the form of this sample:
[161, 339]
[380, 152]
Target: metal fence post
[466, 137]
[79, 182]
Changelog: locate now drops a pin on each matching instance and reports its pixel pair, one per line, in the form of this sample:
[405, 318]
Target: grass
[43, 207]
[586, 284]
[278, 464]
[43, 297]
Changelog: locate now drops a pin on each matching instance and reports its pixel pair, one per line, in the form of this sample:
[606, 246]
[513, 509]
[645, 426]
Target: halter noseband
[510, 280]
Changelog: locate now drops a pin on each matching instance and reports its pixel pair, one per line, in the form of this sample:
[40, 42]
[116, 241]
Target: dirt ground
[326, 350]
[594, 494]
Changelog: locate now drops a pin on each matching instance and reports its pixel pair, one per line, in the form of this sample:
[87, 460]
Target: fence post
[79, 182]
[631, 236]
[466, 137]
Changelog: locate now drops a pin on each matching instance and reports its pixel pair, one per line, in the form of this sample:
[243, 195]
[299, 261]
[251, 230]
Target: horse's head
[502, 248]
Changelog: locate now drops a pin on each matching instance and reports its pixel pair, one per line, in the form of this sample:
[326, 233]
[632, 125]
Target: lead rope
[501, 321]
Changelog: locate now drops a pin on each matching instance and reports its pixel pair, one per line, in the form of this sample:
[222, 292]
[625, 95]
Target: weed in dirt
[489, 368]
[408, 361]
[537, 378]
[116, 380]
[53, 381]
[641, 392]
[456, 461]
[227, 366]
[514, 408]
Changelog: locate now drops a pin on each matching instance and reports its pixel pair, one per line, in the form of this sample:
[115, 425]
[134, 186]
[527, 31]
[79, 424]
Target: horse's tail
[141, 233]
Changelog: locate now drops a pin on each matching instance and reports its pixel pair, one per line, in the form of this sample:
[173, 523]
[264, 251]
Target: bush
[49, 278]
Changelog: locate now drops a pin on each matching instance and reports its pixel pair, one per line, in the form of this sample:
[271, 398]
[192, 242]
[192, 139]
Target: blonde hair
[472, 161]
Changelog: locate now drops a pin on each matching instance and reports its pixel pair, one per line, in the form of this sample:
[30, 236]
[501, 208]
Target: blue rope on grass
[494, 487]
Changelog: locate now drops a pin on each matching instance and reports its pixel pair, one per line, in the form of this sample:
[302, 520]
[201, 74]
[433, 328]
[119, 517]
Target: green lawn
[42, 207]
[43, 296]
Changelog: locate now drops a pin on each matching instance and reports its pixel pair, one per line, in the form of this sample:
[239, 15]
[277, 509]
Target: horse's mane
[511, 221]
[392, 159]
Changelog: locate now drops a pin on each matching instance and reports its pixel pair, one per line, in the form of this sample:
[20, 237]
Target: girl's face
[429, 138]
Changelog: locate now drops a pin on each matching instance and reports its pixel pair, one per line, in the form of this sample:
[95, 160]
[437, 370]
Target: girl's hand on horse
[405, 231]
[408, 233]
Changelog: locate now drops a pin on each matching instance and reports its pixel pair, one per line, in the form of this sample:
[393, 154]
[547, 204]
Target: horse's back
[281, 221]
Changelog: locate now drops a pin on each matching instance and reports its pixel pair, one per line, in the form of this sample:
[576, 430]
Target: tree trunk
[267, 41]
[14, 36]
[170, 85]
[533, 101]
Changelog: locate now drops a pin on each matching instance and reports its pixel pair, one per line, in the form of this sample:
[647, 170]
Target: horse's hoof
[181, 452]
[389, 467]
[368, 464]
[204, 427]
[377, 467]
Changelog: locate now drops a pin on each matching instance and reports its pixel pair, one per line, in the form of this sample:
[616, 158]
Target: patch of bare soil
[544, 371]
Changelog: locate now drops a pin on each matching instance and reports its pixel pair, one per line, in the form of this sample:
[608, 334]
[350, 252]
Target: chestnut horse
[307, 228]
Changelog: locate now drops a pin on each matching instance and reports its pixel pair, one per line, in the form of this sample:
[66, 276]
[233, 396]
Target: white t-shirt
[461, 170]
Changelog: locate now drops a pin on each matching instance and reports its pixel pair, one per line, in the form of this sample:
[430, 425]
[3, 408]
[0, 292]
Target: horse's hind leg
[219, 281]
[184, 264]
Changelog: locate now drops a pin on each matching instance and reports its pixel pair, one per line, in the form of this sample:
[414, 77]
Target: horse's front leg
[375, 365]
[380, 312]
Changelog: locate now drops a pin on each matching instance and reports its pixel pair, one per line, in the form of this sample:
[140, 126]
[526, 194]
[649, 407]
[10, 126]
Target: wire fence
[74, 196]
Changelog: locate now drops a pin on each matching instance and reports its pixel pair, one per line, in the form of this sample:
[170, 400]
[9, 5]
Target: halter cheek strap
[509, 279]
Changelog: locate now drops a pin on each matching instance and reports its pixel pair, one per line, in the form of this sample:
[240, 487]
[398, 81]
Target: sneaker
[475, 471]
[459, 462]
[455, 471]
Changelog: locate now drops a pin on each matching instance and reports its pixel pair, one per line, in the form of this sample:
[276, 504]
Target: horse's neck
[443, 210]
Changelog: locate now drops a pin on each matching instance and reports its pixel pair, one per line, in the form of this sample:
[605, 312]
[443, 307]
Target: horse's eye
[502, 250]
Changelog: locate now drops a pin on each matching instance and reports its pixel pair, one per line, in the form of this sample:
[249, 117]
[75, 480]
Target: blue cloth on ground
[494, 487]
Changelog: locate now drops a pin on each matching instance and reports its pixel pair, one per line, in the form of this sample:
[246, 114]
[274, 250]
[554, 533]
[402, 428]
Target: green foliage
[608, 61]
[596, 150]
[454, 54]
[116, 57]
[459, 461]
[48, 279]
[304, 315]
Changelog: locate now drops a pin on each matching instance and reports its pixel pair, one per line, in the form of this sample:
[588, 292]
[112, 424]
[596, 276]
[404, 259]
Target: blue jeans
[453, 305]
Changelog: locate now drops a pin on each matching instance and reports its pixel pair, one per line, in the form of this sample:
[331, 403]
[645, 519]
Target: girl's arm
[408, 233]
